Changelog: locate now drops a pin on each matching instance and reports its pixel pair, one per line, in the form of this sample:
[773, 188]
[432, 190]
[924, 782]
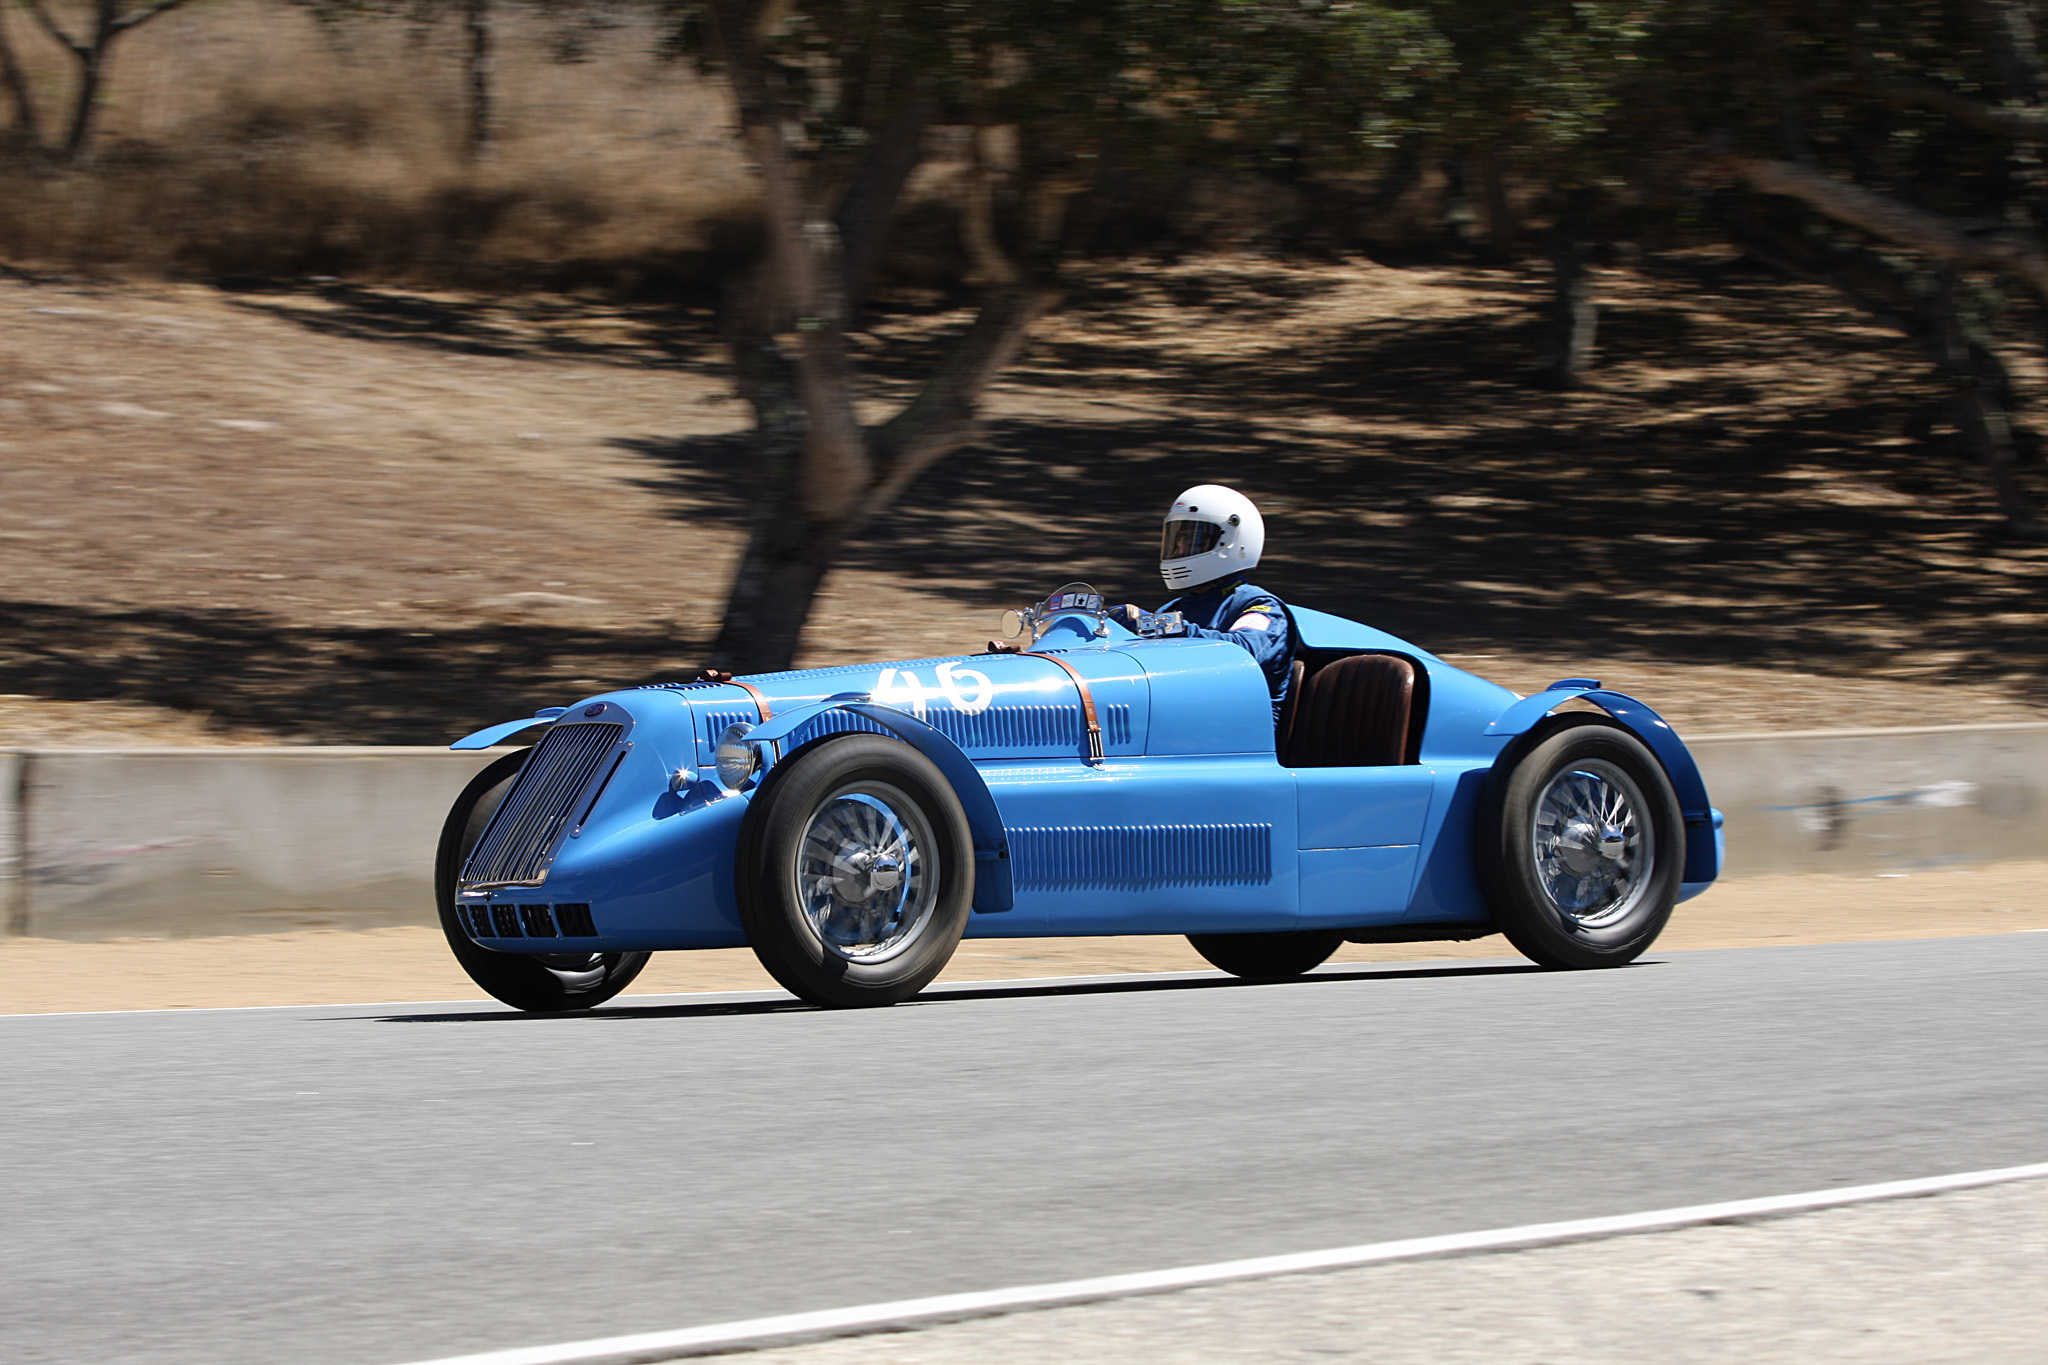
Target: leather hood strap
[760, 700]
[724, 679]
[1087, 701]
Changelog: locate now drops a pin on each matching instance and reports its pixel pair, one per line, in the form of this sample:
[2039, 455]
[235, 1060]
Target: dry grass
[247, 140]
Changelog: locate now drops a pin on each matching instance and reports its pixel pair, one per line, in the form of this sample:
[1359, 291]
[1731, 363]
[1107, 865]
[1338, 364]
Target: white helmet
[1211, 531]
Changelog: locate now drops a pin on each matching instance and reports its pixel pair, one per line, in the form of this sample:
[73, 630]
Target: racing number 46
[968, 689]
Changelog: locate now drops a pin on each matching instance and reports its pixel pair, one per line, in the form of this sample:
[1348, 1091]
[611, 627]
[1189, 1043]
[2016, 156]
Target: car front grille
[568, 920]
[557, 784]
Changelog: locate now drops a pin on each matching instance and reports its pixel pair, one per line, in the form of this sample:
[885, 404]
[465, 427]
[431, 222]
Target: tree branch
[2022, 123]
[945, 415]
[1951, 239]
[50, 26]
[28, 121]
[137, 18]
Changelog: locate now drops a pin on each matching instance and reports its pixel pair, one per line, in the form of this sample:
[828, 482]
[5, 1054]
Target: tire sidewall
[1521, 906]
[779, 813]
[517, 979]
[1277, 956]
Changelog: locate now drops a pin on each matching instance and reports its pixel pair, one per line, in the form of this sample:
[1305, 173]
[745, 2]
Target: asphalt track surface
[374, 1185]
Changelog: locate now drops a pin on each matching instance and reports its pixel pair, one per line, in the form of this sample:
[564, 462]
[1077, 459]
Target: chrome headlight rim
[736, 762]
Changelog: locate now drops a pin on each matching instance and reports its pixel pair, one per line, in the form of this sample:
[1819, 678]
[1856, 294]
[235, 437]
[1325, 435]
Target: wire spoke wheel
[1591, 845]
[862, 873]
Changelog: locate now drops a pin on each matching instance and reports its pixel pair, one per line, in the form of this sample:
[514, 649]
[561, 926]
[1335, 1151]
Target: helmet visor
[1180, 539]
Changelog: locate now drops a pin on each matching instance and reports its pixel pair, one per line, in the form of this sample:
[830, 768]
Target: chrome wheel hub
[865, 874]
[1592, 846]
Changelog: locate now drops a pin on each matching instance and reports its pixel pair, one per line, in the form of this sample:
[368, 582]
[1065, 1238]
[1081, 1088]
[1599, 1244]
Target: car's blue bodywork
[1188, 823]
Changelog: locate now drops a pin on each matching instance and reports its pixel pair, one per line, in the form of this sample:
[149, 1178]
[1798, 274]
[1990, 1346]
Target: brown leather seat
[1352, 713]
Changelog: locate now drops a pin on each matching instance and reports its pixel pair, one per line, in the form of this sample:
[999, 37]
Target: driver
[1211, 540]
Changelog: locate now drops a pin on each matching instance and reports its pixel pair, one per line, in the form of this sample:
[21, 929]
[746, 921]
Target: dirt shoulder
[40, 976]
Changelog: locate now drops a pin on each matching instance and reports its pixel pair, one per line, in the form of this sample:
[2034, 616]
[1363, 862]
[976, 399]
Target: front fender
[994, 890]
[1702, 822]
[492, 734]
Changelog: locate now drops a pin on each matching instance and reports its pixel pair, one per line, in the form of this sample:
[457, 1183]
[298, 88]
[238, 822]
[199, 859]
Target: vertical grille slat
[518, 846]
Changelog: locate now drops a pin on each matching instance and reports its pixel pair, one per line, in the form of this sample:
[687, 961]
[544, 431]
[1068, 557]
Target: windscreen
[1179, 539]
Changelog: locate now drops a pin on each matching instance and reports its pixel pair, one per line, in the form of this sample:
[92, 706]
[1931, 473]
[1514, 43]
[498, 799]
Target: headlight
[734, 758]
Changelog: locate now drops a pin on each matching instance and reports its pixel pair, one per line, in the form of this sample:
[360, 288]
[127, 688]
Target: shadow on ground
[665, 336]
[629, 1009]
[359, 685]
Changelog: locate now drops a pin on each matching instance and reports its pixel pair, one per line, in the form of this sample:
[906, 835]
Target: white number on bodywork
[951, 676]
[968, 689]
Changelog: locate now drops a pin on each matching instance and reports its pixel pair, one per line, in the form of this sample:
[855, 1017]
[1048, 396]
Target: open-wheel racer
[853, 824]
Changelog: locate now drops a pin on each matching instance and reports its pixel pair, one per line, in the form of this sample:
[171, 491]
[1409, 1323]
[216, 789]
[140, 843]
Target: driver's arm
[1261, 628]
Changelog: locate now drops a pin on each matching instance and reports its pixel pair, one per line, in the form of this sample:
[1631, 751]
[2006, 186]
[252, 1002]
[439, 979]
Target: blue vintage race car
[853, 824]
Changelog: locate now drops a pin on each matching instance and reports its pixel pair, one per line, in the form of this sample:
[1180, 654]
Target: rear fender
[994, 891]
[1702, 822]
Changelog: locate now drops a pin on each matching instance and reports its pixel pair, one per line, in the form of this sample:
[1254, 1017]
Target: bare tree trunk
[785, 562]
[1399, 178]
[476, 76]
[1982, 397]
[84, 110]
[1574, 318]
[2012, 42]
[1458, 216]
[777, 575]
[1501, 227]
[28, 123]
[987, 262]
[869, 201]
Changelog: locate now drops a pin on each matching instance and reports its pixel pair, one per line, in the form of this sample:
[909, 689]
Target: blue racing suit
[1232, 609]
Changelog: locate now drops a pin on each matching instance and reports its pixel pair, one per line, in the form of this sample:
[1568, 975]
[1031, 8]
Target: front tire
[543, 983]
[1268, 957]
[856, 872]
[1581, 845]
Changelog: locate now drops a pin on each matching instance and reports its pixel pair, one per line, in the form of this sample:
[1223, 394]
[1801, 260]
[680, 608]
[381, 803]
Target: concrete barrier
[1869, 801]
[101, 843]
[13, 845]
[188, 842]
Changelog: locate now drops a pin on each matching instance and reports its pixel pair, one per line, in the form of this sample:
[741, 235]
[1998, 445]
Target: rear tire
[856, 872]
[1581, 845]
[1268, 957]
[542, 983]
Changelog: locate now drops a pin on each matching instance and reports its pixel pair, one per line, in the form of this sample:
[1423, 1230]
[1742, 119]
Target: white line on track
[754, 1333]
